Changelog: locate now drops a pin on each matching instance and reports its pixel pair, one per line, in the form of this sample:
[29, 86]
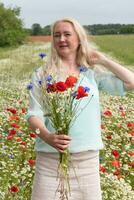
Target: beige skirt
[85, 187]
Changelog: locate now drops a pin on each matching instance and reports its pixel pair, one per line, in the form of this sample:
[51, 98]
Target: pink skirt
[85, 187]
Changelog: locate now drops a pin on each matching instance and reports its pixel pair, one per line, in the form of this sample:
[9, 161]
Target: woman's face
[66, 40]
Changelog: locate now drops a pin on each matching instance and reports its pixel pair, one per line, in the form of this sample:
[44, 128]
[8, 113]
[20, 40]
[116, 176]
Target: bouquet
[62, 99]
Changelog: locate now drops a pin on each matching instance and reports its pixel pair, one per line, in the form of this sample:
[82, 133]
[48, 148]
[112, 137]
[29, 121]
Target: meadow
[17, 155]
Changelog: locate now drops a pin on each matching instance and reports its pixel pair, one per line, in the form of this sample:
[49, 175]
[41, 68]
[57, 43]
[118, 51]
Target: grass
[120, 47]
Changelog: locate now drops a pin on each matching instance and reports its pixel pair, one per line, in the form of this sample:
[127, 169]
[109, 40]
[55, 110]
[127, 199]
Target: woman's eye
[56, 35]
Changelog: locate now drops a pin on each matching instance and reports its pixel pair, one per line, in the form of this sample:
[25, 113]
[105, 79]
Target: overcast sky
[87, 12]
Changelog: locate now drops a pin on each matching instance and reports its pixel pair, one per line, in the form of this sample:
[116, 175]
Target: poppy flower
[10, 137]
[12, 110]
[15, 125]
[12, 132]
[71, 81]
[61, 86]
[81, 92]
[14, 189]
[102, 169]
[31, 162]
[130, 124]
[115, 163]
[107, 113]
[33, 135]
[131, 133]
[131, 153]
[24, 110]
[115, 153]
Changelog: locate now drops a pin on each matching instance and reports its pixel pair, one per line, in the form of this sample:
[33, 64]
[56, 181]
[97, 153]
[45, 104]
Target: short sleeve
[109, 83]
[35, 108]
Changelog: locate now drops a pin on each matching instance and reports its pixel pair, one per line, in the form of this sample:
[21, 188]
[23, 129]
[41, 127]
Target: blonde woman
[70, 49]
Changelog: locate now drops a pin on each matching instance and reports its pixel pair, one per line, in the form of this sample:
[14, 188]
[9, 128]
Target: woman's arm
[121, 72]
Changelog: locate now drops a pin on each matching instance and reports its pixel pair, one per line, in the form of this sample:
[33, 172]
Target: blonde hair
[84, 48]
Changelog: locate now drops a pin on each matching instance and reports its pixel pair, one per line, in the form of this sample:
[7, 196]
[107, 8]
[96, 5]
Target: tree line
[96, 29]
[13, 32]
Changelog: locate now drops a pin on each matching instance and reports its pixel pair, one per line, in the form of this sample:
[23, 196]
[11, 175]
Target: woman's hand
[96, 57]
[59, 142]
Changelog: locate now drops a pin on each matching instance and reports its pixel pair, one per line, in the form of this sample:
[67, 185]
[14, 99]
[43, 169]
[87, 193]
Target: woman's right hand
[59, 142]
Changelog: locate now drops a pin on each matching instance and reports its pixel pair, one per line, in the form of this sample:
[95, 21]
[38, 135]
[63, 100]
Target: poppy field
[17, 155]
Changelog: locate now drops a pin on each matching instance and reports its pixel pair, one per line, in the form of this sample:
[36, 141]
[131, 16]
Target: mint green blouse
[86, 129]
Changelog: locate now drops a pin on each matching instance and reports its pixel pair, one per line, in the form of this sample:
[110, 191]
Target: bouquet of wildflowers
[61, 100]
[61, 105]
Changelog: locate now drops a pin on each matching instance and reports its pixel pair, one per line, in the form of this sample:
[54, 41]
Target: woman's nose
[62, 38]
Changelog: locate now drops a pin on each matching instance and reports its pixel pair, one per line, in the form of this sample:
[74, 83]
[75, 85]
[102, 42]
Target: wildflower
[102, 169]
[48, 78]
[15, 125]
[29, 86]
[115, 163]
[81, 92]
[71, 81]
[42, 55]
[115, 153]
[107, 113]
[14, 189]
[31, 162]
[83, 69]
[33, 135]
[61, 86]
[12, 110]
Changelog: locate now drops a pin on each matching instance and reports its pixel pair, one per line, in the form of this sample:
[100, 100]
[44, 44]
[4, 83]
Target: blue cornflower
[42, 55]
[40, 82]
[83, 69]
[74, 94]
[48, 78]
[29, 86]
[87, 89]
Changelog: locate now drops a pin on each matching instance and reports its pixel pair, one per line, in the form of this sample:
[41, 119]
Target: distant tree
[11, 26]
[36, 29]
[46, 30]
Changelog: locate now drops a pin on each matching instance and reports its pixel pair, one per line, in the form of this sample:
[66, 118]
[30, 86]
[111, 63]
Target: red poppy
[109, 137]
[33, 135]
[117, 172]
[31, 162]
[115, 163]
[12, 110]
[10, 137]
[14, 189]
[115, 153]
[81, 92]
[12, 132]
[18, 139]
[131, 153]
[130, 124]
[131, 133]
[107, 113]
[14, 118]
[15, 125]
[71, 81]
[102, 169]
[24, 110]
[61, 86]
[23, 143]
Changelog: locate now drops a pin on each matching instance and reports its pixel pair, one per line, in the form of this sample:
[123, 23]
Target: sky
[87, 12]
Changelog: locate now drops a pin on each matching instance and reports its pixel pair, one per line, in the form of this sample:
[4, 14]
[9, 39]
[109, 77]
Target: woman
[70, 50]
